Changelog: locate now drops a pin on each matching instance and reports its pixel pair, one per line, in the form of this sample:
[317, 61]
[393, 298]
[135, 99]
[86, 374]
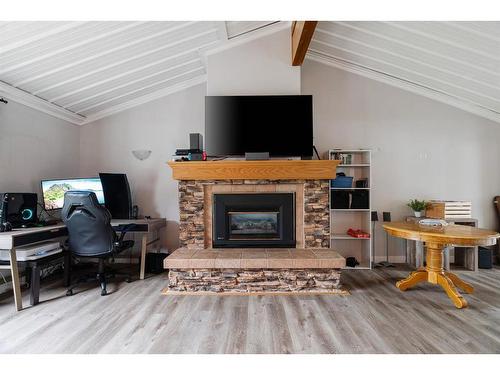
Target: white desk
[19, 237]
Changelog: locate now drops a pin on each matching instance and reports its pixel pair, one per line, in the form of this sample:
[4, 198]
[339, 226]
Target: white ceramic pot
[417, 213]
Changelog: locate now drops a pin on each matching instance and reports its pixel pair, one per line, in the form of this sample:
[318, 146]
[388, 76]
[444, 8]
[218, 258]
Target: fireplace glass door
[254, 220]
[254, 225]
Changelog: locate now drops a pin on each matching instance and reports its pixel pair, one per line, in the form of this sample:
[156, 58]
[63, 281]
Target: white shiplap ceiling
[455, 62]
[89, 70]
[82, 71]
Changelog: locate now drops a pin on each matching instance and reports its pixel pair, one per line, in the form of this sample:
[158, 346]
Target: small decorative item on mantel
[418, 206]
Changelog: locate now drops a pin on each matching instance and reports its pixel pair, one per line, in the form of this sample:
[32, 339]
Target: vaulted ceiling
[88, 70]
[455, 62]
[93, 69]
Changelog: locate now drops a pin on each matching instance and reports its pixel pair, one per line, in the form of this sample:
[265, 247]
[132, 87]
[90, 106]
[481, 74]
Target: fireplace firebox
[254, 220]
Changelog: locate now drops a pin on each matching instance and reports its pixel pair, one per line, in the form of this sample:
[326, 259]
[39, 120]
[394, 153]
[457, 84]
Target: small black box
[196, 141]
[362, 183]
[340, 199]
[360, 199]
[154, 262]
[485, 258]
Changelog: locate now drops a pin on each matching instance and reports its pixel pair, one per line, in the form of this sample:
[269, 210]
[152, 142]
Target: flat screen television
[279, 124]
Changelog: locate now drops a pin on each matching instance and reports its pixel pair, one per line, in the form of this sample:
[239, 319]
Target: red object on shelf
[357, 233]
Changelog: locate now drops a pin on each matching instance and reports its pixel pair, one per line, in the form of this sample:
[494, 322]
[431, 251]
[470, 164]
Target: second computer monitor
[117, 195]
[53, 190]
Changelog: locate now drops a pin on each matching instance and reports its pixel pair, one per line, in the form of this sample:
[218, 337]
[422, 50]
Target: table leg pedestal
[434, 273]
[467, 288]
[414, 278]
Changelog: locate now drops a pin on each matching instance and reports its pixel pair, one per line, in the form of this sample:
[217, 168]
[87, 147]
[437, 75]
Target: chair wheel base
[69, 293]
[104, 292]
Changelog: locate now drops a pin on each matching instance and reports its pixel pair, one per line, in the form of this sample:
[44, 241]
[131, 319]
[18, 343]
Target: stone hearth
[254, 270]
[247, 281]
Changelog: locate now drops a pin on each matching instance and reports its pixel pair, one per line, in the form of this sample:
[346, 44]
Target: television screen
[281, 125]
[53, 190]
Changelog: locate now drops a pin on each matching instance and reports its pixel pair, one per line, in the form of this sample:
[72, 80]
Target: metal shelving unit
[343, 219]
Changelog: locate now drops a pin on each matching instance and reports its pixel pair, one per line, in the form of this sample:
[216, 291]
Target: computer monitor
[53, 190]
[117, 195]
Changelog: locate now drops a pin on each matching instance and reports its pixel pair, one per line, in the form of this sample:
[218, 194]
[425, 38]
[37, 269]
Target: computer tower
[117, 197]
[19, 208]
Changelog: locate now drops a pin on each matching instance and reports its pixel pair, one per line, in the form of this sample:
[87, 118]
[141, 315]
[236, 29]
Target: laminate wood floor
[375, 318]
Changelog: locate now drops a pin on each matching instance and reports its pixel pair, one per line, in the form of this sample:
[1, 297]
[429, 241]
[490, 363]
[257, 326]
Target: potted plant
[418, 206]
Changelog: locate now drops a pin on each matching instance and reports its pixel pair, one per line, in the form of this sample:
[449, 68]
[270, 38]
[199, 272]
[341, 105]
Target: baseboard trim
[392, 259]
[339, 292]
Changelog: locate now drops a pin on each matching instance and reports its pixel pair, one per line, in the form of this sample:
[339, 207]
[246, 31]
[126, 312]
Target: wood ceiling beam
[302, 33]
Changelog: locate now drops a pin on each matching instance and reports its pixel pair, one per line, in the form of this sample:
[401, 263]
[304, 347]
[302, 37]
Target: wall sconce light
[141, 154]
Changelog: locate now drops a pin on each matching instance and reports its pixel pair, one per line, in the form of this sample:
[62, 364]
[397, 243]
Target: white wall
[258, 67]
[421, 148]
[35, 146]
[161, 126]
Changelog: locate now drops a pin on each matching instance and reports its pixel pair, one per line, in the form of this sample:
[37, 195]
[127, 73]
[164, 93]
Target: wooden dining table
[436, 239]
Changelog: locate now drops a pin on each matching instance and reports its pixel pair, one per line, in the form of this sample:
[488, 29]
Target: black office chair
[91, 235]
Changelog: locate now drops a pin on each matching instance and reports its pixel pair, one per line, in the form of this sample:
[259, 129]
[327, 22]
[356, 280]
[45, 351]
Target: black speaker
[386, 216]
[117, 197]
[196, 141]
[19, 208]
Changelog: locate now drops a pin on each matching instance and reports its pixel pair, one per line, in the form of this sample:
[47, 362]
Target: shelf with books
[356, 164]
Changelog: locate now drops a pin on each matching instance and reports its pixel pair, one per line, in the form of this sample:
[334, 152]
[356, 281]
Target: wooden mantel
[254, 170]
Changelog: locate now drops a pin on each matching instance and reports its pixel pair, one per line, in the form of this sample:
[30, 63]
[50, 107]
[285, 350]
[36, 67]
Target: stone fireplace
[248, 227]
[311, 209]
